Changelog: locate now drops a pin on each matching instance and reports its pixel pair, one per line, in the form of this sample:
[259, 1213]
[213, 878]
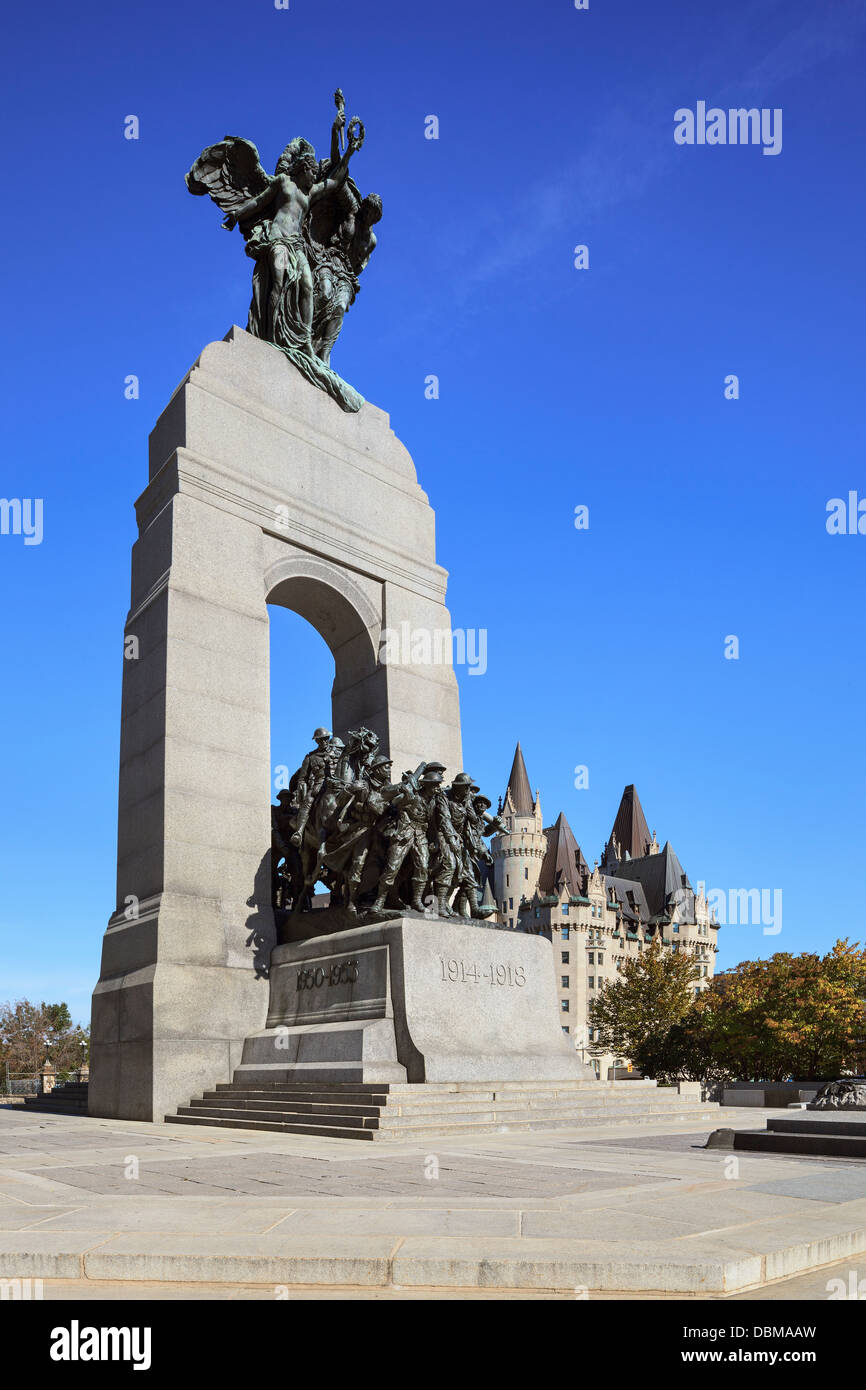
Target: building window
[564, 1006]
[526, 873]
[564, 979]
[601, 957]
[511, 904]
[565, 933]
[507, 881]
[592, 958]
[565, 1028]
[676, 927]
[565, 959]
[591, 982]
[565, 909]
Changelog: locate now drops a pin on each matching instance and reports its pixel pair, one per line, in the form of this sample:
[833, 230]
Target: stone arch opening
[346, 617]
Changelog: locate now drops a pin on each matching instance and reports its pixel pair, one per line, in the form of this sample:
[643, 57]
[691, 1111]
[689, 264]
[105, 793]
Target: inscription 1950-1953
[469, 973]
[342, 972]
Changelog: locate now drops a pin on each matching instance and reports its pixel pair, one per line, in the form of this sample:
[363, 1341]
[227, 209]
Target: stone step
[823, 1145]
[67, 1098]
[343, 1118]
[328, 1133]
[56, 1100]
[252, 1103]
[46, 1107]
[518, 1114]
[526, 1125]
[818, 1126]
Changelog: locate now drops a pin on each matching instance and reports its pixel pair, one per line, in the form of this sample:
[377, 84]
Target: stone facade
[594, 918]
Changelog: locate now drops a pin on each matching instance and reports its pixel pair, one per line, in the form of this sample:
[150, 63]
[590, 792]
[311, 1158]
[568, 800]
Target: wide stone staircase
[67, 1098]
[407, 1112]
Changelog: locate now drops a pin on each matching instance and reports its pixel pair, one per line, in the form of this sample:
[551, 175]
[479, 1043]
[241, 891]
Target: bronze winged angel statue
[310, 234]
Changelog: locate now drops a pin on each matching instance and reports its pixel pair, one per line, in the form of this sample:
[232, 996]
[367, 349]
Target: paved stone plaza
[630, 1211]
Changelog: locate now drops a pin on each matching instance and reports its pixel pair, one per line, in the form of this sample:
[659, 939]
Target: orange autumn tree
[790, 1016]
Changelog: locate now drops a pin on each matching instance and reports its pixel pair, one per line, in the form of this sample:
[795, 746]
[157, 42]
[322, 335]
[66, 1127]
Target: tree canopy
[31, 1033]
[635, 1013]
[800, 1017]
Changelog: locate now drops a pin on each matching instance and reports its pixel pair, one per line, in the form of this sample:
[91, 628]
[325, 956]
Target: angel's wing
[231, 173]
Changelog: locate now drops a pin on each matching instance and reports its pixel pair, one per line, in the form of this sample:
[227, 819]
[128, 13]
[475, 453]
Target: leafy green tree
[635, 1013]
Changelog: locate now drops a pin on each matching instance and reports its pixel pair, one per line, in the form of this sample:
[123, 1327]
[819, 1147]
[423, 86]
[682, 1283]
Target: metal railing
[21, 1083]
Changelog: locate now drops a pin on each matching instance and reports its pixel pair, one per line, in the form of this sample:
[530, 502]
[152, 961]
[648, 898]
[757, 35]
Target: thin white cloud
[829, 30]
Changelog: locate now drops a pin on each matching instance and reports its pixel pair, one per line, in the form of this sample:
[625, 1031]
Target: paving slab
[615, 1212]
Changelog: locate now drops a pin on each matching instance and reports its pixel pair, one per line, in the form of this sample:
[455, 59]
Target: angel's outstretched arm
[251, 207]
[339, 124]
[336, 179]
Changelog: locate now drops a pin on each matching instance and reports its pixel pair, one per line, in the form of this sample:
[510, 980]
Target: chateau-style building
[594, 918]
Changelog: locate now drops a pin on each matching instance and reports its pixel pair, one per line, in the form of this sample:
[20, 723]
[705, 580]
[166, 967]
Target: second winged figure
[310, 234]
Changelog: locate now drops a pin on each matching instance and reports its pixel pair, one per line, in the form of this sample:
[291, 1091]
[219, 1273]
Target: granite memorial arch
[260, 491]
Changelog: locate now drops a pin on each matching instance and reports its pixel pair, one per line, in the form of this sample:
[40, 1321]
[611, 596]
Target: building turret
[518, 853]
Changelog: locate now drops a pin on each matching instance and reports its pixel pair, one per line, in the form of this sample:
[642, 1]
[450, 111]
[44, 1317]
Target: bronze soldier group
[379, 846]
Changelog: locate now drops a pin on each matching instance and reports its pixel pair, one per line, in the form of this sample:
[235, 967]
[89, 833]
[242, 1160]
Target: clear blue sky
[558, 387]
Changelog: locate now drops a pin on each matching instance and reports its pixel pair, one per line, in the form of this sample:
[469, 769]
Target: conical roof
[664, 882]
[518, 786]
[563, 863]
[630, 828]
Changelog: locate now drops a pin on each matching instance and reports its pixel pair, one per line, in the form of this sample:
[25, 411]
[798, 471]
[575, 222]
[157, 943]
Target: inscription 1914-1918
[468, 973]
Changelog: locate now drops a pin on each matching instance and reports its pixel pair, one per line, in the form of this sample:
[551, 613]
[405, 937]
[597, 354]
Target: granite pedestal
[412, 1000]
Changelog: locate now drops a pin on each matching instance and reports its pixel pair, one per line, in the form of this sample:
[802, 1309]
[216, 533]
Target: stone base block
[162, 1031]
[418, 1000]
[329, 1053]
